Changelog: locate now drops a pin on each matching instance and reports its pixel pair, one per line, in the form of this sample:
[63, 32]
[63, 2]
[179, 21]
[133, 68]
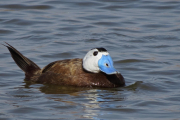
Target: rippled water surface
[142, 36]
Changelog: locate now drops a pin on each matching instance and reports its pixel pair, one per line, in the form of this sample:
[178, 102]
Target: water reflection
[75, 97]
[89, 101]
[56, 89]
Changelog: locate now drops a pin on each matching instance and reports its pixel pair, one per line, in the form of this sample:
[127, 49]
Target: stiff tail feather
[28, 66]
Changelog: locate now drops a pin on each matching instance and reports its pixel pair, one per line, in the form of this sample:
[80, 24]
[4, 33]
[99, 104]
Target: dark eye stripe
[95, 53]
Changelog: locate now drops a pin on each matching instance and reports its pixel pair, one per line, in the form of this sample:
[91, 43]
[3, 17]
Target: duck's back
[71, 72]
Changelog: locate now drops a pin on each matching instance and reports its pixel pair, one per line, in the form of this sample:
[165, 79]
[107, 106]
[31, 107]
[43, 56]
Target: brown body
[64, 72]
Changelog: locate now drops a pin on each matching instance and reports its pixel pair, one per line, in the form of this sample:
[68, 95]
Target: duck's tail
[28, 66]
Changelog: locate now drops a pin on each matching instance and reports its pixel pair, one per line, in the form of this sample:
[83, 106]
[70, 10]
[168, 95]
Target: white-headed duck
[95, 69]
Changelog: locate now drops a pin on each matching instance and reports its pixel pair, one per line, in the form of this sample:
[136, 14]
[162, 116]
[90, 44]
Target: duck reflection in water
[86, 100]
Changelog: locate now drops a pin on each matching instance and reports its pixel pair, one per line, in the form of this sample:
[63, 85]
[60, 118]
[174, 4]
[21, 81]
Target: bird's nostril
[107, 65]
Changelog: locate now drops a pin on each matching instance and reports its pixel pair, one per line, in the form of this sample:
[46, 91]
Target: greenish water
[142, 37]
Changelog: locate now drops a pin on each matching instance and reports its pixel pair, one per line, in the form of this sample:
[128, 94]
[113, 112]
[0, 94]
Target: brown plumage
[64, 72]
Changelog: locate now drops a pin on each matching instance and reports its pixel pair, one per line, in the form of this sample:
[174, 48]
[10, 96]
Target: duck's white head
[97, 60]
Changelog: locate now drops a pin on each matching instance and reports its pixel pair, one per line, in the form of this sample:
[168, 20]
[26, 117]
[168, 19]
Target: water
[142, 37]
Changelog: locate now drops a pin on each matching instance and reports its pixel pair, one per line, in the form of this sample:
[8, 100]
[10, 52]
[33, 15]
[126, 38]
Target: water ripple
[24, 7]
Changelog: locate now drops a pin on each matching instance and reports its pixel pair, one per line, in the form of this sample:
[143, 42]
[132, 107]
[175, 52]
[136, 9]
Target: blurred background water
[142, 37]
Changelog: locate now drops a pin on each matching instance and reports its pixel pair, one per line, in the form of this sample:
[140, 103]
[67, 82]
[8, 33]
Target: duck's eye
[107, 65]
[95, 53]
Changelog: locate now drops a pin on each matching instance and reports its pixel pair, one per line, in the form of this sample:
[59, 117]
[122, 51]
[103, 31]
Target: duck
[94, 70]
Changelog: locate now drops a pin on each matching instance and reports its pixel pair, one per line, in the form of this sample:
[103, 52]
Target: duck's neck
[116, 79]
